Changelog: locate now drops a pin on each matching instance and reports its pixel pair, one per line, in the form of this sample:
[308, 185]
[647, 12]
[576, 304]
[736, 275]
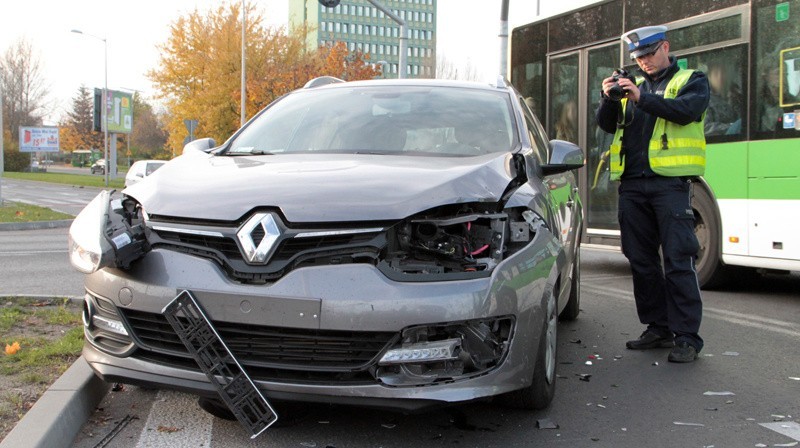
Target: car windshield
[412, 120]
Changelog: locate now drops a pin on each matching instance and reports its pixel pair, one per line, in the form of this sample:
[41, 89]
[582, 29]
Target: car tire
[216, 407]
[573, 308]
[541, 391]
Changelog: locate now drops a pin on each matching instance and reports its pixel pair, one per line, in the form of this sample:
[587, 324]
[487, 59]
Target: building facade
[362, 26]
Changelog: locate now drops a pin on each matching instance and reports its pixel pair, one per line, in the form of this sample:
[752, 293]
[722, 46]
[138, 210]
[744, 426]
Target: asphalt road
[62, 198]
[632, 399]
[34, 262]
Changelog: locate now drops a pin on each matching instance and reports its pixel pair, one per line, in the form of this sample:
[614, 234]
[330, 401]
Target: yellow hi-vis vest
[674, 150]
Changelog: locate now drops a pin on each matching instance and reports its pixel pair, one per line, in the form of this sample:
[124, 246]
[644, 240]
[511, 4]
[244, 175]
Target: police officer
[657, 151]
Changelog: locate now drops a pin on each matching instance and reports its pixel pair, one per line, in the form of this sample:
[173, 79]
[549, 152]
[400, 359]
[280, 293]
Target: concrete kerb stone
[61, 412]
[35, 225]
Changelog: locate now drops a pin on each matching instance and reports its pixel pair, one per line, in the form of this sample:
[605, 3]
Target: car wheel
[540, 393]
[216, 407]
[573, 308]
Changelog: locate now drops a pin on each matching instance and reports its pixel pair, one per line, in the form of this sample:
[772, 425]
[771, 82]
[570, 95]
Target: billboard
[44, 139]
[119, 112]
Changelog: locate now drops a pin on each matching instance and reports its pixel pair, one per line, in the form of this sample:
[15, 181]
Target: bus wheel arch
[711, 273]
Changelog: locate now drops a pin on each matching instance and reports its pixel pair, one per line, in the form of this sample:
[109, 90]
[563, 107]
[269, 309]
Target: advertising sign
[38, 139]
[119, 112]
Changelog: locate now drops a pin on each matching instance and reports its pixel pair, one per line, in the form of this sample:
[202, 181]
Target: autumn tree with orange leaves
[199, 72]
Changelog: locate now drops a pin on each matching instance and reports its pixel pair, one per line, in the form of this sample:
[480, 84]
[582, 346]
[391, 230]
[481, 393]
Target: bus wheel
[710, 271]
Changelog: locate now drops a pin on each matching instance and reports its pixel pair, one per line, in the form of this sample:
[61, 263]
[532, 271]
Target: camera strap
[623, 114]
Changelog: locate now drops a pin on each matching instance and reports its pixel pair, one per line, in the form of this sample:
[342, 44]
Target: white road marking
[788, 429]
[747, 320]
[181, 421]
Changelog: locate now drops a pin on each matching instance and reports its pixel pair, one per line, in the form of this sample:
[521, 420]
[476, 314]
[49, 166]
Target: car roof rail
[322, 81]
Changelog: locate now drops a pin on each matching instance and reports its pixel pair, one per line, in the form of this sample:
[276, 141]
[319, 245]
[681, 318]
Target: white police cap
[644, 40]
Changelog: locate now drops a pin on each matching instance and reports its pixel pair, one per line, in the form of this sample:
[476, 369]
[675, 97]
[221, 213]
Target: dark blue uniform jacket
[687, 107]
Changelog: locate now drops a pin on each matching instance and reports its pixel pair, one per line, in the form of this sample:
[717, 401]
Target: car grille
[292, 251]
[268, 353]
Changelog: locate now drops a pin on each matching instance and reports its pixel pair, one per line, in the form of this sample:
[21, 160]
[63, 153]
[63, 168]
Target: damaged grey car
[389, 243]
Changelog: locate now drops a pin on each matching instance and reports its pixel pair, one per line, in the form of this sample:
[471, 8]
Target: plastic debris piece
[546, 423]
[617, 356]
[760, 445]
[588, 363]
[786, 444]
[655, 363]
[614, 385]
[730, 354]
[388, 425]
[601, 406]
[729, 402]
[584, 376]
[595, 439]
[117, 387]
[712, 409]
[712, 393]
[562, 377]
[624, 429]
[592, 356]
[778, 416]
[687, 424]
[795, 378]
[323, 422]
[709, 355]
[575, 341]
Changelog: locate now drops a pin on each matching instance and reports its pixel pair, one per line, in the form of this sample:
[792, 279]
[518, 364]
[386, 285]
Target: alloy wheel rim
[550, 338]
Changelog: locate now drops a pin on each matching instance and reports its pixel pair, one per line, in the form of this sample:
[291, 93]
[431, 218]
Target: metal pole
[2, 135]
[403, 64]
[244, 26]
[504, 39]
[105, 111]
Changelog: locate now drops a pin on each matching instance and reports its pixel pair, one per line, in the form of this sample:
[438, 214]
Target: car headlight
[88, 248]
[107, 233]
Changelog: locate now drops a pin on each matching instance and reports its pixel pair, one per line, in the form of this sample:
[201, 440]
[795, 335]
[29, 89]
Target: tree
[199, 71]
[25, 93]
[446, 69]
[76, 129]
[149, 138]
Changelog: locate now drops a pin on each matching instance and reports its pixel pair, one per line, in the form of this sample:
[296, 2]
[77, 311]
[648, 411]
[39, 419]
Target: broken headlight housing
[107, 233]
[457, 241]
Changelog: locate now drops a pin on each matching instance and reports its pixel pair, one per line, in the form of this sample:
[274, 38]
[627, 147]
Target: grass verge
[49, 337]
[20, 212]
[70, 179]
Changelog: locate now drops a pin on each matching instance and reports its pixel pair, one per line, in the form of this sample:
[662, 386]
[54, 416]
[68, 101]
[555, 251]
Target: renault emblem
[258, 236]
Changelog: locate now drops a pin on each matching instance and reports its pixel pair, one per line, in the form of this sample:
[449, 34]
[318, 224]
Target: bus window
[725, 70]
[773, 36]
[563, 109]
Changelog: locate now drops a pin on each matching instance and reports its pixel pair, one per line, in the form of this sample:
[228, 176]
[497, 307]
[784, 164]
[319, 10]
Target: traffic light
[329, 3]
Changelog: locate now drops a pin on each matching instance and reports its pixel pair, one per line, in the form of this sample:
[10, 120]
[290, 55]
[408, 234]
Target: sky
[467, 34]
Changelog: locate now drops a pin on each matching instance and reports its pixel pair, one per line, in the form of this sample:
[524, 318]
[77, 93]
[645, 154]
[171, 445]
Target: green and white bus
[747, 206]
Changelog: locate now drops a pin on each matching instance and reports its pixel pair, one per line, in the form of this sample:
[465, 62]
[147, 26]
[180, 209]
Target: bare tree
[24, 90]
[446, 69]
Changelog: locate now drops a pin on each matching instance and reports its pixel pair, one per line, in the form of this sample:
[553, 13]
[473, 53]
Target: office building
[364, 27]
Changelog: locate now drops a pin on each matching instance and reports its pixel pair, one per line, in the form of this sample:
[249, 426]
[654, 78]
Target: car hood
[319, 187]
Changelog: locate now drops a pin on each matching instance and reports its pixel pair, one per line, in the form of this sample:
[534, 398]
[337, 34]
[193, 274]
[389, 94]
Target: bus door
[600, 195]
[574, 85]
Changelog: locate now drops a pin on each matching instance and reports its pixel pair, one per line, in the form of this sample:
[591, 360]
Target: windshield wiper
[252, 152]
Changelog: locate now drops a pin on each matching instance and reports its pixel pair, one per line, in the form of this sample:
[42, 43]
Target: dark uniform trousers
[657, 212]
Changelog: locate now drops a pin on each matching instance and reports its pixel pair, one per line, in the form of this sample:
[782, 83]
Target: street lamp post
[244, 87]
[104, 112]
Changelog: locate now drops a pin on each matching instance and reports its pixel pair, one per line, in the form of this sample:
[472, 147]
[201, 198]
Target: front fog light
[423, 352]
[88, 248]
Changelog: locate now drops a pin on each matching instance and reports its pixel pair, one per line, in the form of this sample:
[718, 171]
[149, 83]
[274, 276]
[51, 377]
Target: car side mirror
[564, 156]
[201, 144]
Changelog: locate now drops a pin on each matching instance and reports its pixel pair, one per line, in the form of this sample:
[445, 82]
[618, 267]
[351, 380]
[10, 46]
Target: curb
[59, 414]
[35, 225]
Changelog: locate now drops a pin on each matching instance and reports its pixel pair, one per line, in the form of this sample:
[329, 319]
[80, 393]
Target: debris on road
[546, 423]
[730, 354]
[584, 376]
[711, 393]
[687, 424]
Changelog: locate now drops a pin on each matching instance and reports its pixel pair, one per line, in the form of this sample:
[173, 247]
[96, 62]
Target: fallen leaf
[162, 428]
[13, 348]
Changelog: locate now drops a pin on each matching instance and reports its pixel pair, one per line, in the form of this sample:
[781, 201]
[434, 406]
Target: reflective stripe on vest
[673, 150]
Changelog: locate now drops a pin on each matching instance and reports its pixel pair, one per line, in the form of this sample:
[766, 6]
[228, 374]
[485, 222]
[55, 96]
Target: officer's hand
[631, 90]
[607, 83]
